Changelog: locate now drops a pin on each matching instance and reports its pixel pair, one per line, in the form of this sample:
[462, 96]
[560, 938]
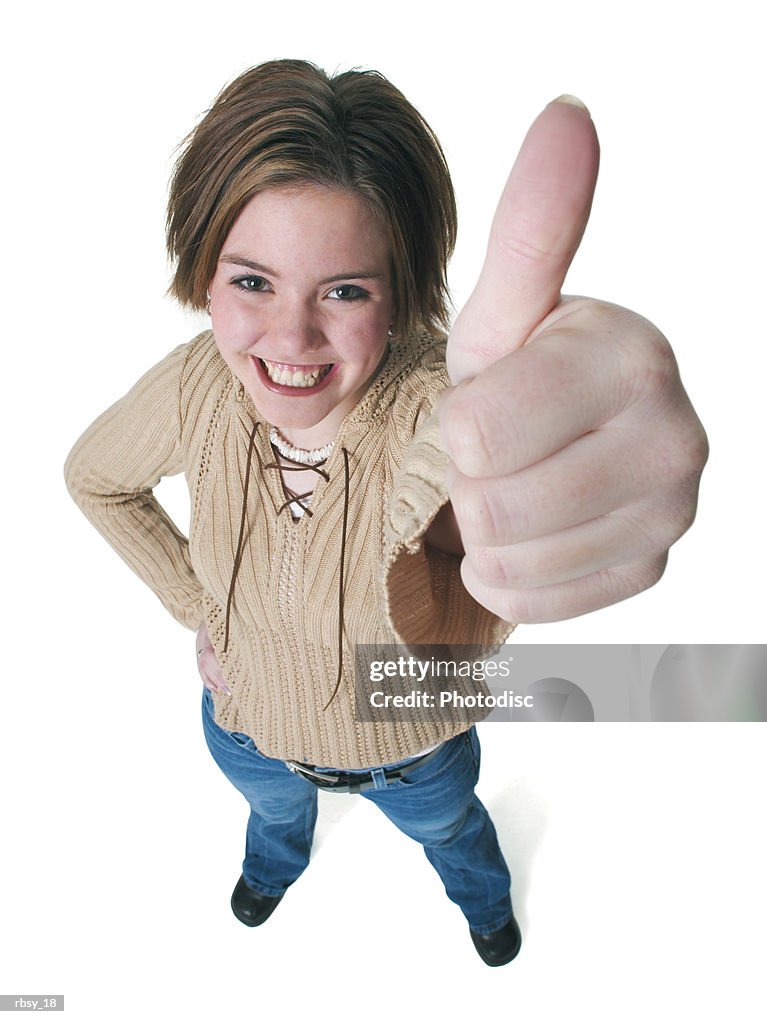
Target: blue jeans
[435, 805]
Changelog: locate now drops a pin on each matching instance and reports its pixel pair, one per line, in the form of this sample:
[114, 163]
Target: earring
[207, 307]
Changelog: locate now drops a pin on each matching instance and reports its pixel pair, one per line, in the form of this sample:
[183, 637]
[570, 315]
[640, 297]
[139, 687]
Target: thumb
[536, 231]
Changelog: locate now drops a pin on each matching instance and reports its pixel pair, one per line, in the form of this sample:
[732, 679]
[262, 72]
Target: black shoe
[251, 907]
[499, 947]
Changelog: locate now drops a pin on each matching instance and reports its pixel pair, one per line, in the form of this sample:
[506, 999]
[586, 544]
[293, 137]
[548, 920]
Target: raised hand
[576, 452]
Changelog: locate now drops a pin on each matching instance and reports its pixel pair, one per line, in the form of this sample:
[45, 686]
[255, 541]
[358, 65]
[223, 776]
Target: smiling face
[301, 302]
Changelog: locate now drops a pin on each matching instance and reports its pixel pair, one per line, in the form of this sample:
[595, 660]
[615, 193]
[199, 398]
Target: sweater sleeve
[112, 470]
[426, 601]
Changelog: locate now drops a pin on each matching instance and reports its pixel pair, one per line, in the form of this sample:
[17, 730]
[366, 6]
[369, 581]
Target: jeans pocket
[448, 758]
[242, 740]
[472, 741]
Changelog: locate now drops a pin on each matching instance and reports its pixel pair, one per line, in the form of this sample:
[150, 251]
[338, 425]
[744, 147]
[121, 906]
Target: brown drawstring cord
[296, 467]
[240, 546]
[299, 499]
[341, 581]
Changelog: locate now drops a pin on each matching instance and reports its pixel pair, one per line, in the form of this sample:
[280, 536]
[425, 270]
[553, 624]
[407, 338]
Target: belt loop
[378, 775]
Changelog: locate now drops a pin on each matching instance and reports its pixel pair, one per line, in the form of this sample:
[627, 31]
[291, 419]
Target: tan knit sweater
[190, 413]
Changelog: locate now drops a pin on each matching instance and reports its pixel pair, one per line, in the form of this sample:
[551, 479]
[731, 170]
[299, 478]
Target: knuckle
[648, 533]
[647, 366]
[688, 448]
[522, 607]
[517, 567]
[490, 566]
[653, 364]
[681, 515]
[648, 573]
[636, 578]
[659, 356]
[513, 606]
[684, 455]
[509, 605]
[459, 429]
[474, 517]
[516, 248]
[488, 515]
[695, 451]
[470, 429]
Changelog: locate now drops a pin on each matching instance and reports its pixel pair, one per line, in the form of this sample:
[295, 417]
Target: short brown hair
[287, 122]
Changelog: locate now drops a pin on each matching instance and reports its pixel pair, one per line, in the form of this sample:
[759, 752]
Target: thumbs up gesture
[575, 452]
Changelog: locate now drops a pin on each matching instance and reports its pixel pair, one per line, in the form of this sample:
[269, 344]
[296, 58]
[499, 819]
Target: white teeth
[294, 378]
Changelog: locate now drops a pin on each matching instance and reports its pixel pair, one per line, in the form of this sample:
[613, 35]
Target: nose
[293, 330]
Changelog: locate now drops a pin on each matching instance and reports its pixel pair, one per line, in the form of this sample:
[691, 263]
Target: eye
[251, 283]
[347, 292]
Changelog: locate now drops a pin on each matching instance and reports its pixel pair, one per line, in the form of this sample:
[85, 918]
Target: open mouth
[291, 376]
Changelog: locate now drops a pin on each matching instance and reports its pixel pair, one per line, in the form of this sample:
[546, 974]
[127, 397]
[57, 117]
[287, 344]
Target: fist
[576, 454]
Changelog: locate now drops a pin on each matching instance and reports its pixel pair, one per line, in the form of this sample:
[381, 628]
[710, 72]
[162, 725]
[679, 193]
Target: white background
[637, 851]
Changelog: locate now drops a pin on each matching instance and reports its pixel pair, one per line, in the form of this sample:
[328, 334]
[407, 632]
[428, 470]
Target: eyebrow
[260, 268]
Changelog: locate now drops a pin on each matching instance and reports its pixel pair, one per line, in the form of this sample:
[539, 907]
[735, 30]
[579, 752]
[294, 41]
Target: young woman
[314, 217]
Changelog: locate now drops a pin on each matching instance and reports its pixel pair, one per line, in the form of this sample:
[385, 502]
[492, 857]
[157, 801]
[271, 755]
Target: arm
[426, 600]
[112, 470]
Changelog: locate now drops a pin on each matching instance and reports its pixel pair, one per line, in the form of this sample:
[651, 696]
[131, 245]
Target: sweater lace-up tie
[301, 500]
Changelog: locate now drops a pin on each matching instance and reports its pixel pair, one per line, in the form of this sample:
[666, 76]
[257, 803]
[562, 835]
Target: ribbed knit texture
[190, 414]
